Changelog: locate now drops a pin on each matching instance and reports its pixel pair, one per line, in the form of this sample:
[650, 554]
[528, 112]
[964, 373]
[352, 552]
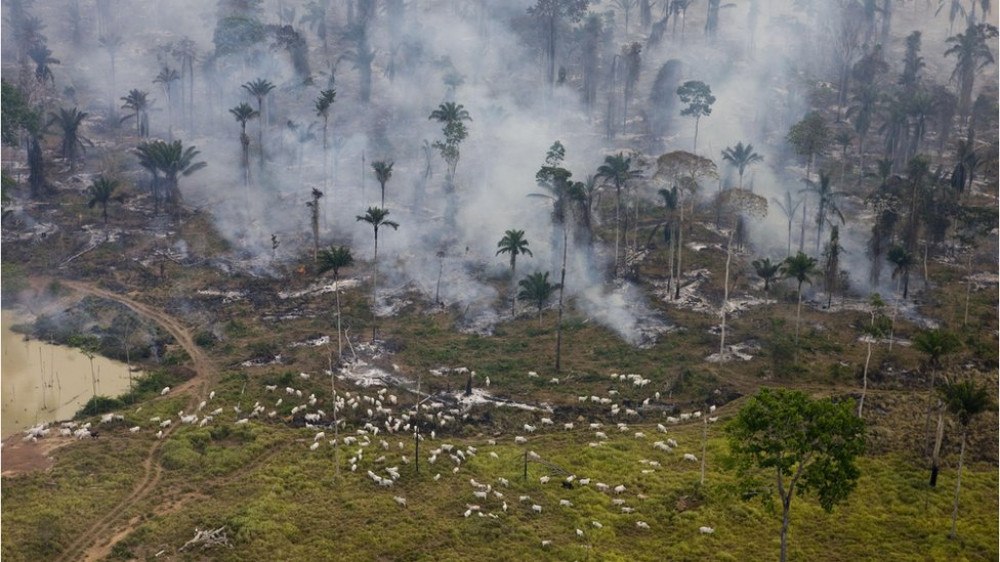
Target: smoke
[469, 53]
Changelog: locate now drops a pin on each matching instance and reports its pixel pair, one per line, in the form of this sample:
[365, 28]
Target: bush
[205, 339]
[100, 405]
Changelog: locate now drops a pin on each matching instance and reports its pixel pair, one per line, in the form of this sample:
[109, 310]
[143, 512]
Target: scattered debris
[207, 539]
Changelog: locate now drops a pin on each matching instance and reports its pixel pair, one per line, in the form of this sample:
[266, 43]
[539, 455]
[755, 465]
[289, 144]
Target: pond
[40, 382]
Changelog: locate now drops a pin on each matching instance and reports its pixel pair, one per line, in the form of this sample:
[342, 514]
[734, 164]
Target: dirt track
[96, 542]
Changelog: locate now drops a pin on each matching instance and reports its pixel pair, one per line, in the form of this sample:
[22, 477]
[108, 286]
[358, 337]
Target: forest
[499, 279]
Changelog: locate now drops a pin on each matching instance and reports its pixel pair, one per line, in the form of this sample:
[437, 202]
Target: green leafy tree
[334, 259]
[801, 268]
[102, 192]
[742, 156]
[698, 96]
[69, 122]
[767, 271]
[537, 289]
[964, 400]
[800, 446]
[810, 137]
[16, 115]
[377, 218]
[452, 115]
[619, 171]
[383, 171]
[515, 244]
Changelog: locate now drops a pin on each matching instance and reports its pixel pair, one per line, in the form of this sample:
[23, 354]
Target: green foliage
[334, 259]
[513, 243]
[698, 96]
[15, 114]
[965, 400]
[99, 405]
[936, 344]
[810, 136]
[205, 339]
[235, 35]
[537, 289]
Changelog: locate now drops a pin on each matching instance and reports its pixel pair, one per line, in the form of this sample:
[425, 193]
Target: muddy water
[40, 382]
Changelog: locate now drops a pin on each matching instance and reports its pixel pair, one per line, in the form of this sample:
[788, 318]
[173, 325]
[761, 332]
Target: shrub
[100, 405]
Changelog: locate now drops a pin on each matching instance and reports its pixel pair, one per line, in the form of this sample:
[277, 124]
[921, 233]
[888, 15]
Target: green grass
[290, 506]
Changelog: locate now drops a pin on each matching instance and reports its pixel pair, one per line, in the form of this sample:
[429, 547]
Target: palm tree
[450, 112]
[742, 156]
[186, 52]
[111, 43]
[69, 122]
[315, 19]
[383, 171]
[866, 106]
[515, 244]
[362, 56]
[618, 170]
[935, 344]
[259, 89]
[171, 160]
[536, 288]
[801, 268]
[788, 207]
[323, 104]
[965, 400]
[903, 261]
[376, 217]
[334, 259]
[314, 219]
[42, 57]
[972, 53]
[138, 103]
[766, 271]
[166, 78]
[671, 199]
[243, 113]
[102, 192]
[827, 202]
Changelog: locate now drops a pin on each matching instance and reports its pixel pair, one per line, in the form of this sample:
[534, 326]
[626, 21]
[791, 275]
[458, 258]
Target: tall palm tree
[362, 56]
[972, 53]
[383, 171]
[111, 43]
[863, 112]
[935, 344]
[185, 51]
[618, 170]
[827, 203]
[788, 207]
[801, 268]
[102, 192]
[536, 288]
[259, 89]
[138, 103]
[671, 199]
[742, 156]
[315, 19]
[165, 79]
[377, 218]
[766, 271]
[69, 121]
[243, 113]
[334, 259]
[902, 262]
[965, 400]
[515, 244]
[323, 104]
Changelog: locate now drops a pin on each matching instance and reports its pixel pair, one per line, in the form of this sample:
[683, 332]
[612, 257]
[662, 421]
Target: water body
[40, 382]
